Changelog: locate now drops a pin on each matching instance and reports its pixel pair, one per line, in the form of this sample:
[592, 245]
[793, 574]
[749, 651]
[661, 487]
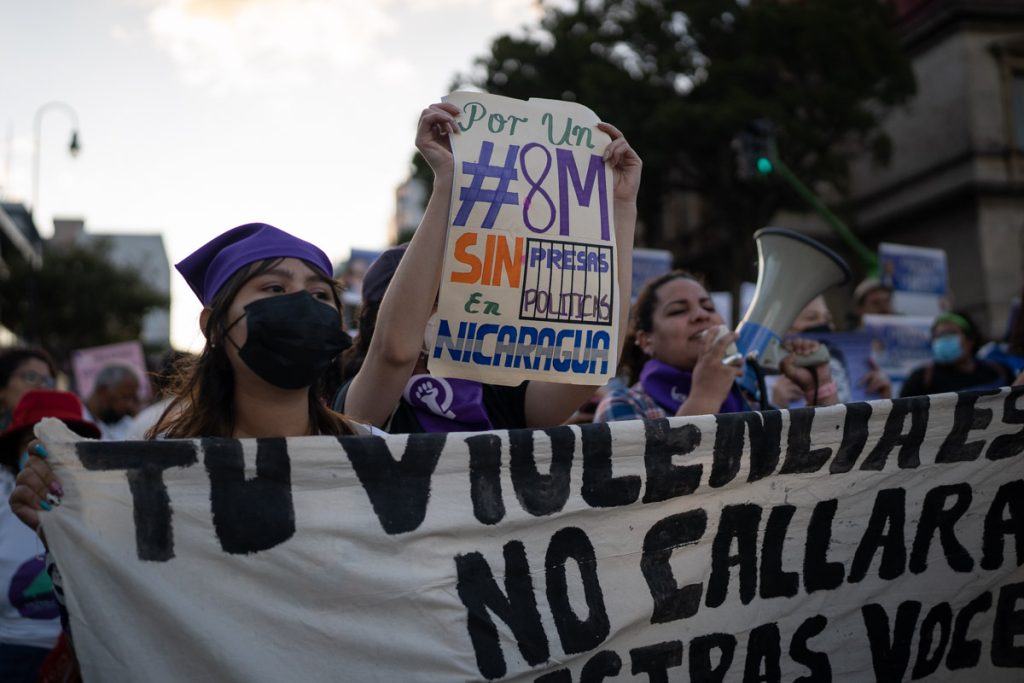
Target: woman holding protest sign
[468, 405]
[673, 358]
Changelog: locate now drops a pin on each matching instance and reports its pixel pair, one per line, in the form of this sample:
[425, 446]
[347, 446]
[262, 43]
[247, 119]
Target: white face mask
[429, 334]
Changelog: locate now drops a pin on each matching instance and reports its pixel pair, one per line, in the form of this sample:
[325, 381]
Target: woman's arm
[875, 381]
[409, 300]
[550, 403]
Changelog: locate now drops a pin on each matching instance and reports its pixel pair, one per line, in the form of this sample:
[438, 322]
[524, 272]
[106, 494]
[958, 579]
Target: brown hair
[641, 319]
[12, 358]
[352, 358]
[204, 386]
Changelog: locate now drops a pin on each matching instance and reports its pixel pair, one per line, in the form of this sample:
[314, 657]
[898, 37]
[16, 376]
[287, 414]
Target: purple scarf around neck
[447, 405]
[670, 387]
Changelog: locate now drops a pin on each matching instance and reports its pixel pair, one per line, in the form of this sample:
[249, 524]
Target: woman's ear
[204, 318]
[643, 342]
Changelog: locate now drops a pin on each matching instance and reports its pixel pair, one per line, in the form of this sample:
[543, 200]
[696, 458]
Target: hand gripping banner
[870, 541]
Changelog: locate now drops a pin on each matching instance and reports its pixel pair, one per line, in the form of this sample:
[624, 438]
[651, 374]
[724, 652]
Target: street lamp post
[73, 145]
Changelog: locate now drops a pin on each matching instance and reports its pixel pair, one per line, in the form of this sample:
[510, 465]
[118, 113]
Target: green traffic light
[764, 165]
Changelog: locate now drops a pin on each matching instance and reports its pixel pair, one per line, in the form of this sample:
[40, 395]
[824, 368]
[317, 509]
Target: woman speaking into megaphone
[674, 358]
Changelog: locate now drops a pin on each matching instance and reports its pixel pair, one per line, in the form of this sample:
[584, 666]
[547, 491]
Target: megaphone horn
[792, 270]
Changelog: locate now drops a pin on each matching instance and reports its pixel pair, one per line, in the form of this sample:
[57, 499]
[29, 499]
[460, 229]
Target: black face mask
[817, 329]
[110, 416]
[292, 339]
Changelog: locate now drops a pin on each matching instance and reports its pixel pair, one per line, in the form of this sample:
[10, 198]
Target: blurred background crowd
[891, 131]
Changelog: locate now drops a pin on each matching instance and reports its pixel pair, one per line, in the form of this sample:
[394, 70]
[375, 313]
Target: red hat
[40, 403]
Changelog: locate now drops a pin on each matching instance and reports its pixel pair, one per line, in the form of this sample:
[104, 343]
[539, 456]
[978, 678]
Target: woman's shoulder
[622, 402]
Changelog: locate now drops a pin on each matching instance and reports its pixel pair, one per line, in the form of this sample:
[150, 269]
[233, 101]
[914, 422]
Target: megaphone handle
[820, 355]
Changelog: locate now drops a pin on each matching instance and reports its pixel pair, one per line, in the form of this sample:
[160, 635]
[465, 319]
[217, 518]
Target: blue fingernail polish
[40, 450]
[22, 461]
[45, 506]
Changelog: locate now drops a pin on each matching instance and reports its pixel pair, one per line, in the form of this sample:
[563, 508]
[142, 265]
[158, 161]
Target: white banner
[870, 541]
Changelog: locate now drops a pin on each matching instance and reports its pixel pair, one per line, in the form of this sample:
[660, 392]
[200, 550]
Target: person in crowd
[955, 339]
[160, 383]
[815, 319]
[114, 400]
[272, 326]
[674, 365]
[1011, 351]
[29, 617]
[434, 404]
[22, 369]
[352, 288]
[871, 297]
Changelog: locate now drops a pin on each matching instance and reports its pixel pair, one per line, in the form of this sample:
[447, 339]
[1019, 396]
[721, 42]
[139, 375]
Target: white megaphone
[792, 270]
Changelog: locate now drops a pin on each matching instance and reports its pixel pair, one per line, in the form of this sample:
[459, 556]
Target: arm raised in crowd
[409, 301]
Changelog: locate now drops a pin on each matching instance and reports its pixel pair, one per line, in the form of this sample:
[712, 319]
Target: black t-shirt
[505, 406]
[937, 379]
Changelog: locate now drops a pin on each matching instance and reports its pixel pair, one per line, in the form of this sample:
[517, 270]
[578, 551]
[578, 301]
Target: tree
[683, 77]
[78, 298]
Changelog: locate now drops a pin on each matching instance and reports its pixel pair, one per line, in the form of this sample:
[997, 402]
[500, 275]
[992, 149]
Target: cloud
[525, 10]
[244, 44]
[232, 45]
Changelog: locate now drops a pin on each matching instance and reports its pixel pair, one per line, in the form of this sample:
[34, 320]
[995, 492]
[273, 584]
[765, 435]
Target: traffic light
[755, 150]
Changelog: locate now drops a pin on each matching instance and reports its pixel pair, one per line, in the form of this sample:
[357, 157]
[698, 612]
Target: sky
[195, 116]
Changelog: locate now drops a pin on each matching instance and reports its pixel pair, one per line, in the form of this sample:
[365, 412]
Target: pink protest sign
[87, 363]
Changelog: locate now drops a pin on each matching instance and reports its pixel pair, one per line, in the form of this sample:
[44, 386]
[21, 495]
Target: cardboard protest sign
[918, 277]
[528, 287]
[899, 344]
[871, 541]
[647, 265]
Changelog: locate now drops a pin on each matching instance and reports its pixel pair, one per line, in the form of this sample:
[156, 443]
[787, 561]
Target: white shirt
[28, 611]
[110, 431]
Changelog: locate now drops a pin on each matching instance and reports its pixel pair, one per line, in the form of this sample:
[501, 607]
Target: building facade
[956, 178]
[145, 254]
